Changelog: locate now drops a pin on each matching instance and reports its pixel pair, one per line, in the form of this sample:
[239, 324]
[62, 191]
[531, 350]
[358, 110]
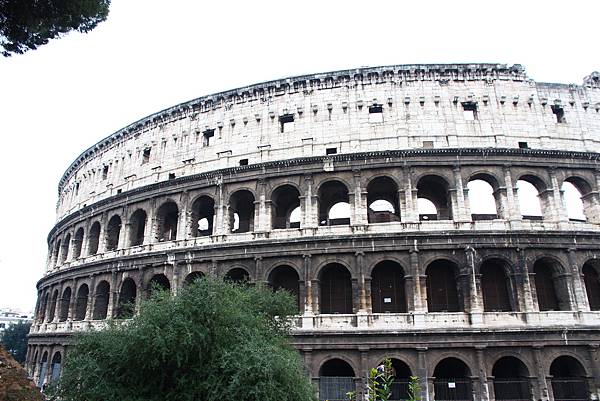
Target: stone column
[309, 204]
[184, 217]
[579, 292]
[308, 305]
[150, 229]
[422, 374]
[595, 365]
[408, 199]
[513, 214]
[113, 295]
[420, 282]
[560, 211]
[359, 268]
[525, 289]
[359, 205]
[541, 390]
[90, 301]
[483, 393]
[476, 303]
[460, 212]
[102, 236]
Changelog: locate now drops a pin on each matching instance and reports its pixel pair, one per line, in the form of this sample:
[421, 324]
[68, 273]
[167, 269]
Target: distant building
[9, 317]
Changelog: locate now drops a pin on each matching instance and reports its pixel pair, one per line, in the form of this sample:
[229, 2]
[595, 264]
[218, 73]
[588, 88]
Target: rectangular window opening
[286, 123]
[206, 135]
[376, 113]
[330, 151]
[428, 144]
[559, 112]
[171, 176]
[470, 111]
[523, 145]
[146, 155]
[104, 172]
[243, 162]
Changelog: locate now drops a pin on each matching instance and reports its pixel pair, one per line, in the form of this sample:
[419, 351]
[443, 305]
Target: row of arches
[445, 289]
[453, 380]
[434, 201]
[45, 369]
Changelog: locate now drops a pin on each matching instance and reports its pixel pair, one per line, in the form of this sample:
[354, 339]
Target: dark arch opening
[43, 369]
[65, 301]
[442, 293]
[382, 198]
[101, 298]
[193, 276]
[158, 282]
[77, 243]
[551, 292]
[285, 200]
[241, 211]
[52, 311]
[166, 218]
[286, 278]
[568, 380]
[64, 249]
[434, 189]
[127, 297]
[203, 216]
[55, 370]
[113, 232]
[57, 253]
[494, 286]
[81, 302]
[336, 379]
[336, 289]
[402, 374]
[94, 239]
[237, 275]
[592, 284]
[387, 288]
[44, 307]
[511, 380]
[452, 381]
[137, 228]
[334, 208]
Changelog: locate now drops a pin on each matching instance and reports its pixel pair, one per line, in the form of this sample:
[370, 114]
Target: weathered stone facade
[244, 184]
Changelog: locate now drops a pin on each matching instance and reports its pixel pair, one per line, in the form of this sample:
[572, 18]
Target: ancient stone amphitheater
[444, 216]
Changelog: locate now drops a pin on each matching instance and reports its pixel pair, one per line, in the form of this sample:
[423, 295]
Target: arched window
[481, 200]
[336, 289]
[159, 282]
[568, 379]
[64, 250]
[203, 216]
[547, 286]
[43, 370]
[442, 294]
[382, 198]
[113, 232]
[387, 288]
[81, 302]
[127, 296]
[238, 276]
[573, 202]
[166, 218]
[285, 200]
[336, 380]
[400, 384]
[494, 286]
[137, 227]
[433, 190]
[77, 243]
[592, 284]
[193, 276]
[452, 380]
[286, 278]
[101, 298]
[334, 206]
[529, 201]
[44, 307]
[511, 379]
[241, 211]
[57, 253]
[52, 309]
[56, 364]
[65, 301]
[94, 239]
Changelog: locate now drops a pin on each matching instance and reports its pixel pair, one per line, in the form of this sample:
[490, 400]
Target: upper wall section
[361, 110]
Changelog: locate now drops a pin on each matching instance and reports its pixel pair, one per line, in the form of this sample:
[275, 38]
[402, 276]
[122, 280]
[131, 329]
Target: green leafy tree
[27, 24]
[213, 341]
[414, 389]
[14, 340]
[379, 382]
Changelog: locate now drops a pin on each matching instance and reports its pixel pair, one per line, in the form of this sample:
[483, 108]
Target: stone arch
[44, 307]
[388, 292]
[43, 369]
[284, 277]
[55, 369]
[495, 286]
[433, 190]
[158, 281]
[487, 176]
[203, 216]
[511, 379]
[52, 309]
[192, 276]
[64, 248]
[285, 201]
[335, 289]
[577, 206]
[529, 188]
[238, 275]
[334, 203]
[383, 205]
[113, 233]
[484, 200]
[241, 211]
[101, 299]
[127, 299]
[94, 238]
[568, 379]
[591, 279]
[442, 286]
[452, 380]
[551, 286]
[137, 227]
[167, 219]
[81, 302]
[65, 302]
[77, 243]
[336, 379]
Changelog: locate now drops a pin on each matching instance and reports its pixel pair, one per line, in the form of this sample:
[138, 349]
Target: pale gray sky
[62, 98]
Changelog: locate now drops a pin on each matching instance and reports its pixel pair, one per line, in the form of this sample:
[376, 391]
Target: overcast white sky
[62, 98]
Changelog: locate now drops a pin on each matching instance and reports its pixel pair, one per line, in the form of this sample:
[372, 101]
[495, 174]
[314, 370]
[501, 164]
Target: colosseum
[444, 216]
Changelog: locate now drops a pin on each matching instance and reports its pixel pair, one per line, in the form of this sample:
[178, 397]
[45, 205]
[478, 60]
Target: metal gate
[452, 390]
[570, 390]
[512, 390]
[399, 390]
[335, 388]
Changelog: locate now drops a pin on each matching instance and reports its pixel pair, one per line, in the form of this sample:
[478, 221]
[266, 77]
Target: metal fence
[512, 389]
[452, 390]
[399, 390]
[570, 390]
[335, 388]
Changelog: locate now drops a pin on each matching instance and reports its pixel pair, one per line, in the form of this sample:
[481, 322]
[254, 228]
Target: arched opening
[511, 380]
[56, 253]
[592, 283]
[336, 289]
[529, 200]
[113, 232]
[285, 200]
[452, 381]
[434, 189]
[237, 275]
[101, 297]
[241, 211]
[334, 206]
[44, 307]
[193, 276]
[81, 302]
[94, 239]
[382, 198]
[481, 200]
[203, 216]
[137, 227]
[573, 202]
[43, 369]
[442, 294]
[402, 374]
[65, 301]
[127, 296]
[166, 219]
[286, 278]
[336, 379]
[77, 243]
[56, 364]
[568, 380]
[551, 290]
[52, 311]
[158, 282]
[64, 248]
[494, 286]
[387, 288]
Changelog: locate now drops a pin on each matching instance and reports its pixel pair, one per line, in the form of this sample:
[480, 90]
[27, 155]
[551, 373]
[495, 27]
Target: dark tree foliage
[27, 24]
[14, 340]
[213, 341]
